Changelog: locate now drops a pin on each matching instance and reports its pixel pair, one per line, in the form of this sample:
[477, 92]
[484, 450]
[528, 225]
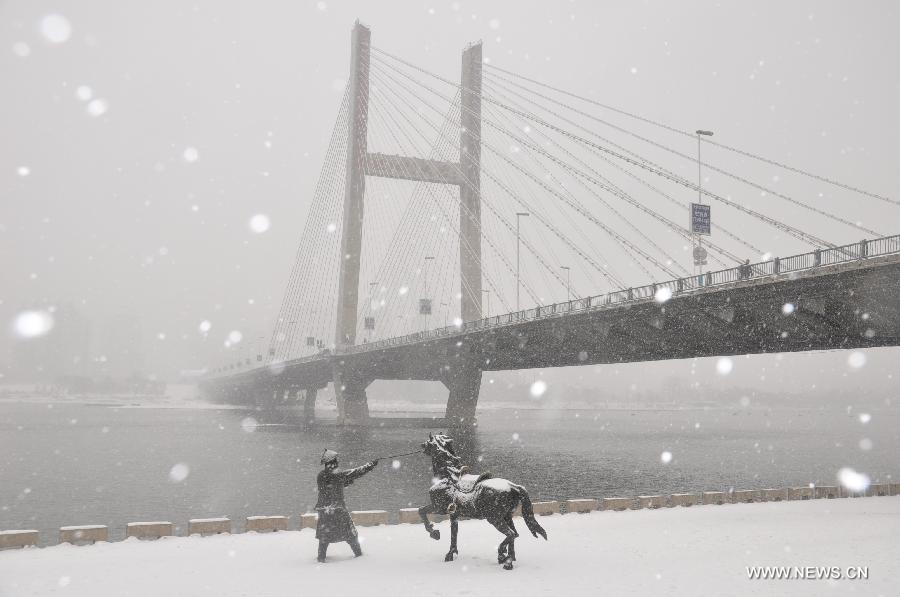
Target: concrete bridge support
[309, 405]
[350, 396]
[463, 400]
[463, 380]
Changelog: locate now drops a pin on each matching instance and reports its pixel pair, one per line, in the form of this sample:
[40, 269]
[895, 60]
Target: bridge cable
[572, 204]
[487, 172]
[467, 182]
[316, 209]
[443, 133]
[709, 141]
[605, 184]
[641, 181]
[741, 179]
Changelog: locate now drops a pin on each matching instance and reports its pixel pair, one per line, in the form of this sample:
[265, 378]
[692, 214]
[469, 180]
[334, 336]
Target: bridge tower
[350, 385]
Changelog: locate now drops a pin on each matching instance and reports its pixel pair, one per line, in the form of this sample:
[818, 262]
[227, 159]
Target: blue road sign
[700, 219]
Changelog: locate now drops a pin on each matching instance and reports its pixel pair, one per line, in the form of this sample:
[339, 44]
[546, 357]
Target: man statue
[334, 523]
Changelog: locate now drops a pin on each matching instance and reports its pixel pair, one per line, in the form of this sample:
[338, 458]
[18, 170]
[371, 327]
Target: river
[74, 463]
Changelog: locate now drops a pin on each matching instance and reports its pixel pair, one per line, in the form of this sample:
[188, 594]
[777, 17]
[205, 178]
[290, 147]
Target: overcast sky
[140, 138]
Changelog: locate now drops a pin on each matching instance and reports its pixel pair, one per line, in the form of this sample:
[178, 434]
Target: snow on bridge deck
[696, 551]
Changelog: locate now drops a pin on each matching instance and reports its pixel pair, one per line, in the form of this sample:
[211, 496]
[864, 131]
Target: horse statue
[483, 496]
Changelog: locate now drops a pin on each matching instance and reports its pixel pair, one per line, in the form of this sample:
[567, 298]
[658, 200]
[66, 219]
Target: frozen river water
[68, 464]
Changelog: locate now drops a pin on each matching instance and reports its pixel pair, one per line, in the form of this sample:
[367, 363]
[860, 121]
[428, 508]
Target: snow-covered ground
[702, 550]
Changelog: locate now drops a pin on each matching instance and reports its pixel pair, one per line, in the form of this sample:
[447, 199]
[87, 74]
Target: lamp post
[700, 135]
[425, 286]
[519, 215]
[290, 339]
[371, 330]
[568, 282]
[487, 294]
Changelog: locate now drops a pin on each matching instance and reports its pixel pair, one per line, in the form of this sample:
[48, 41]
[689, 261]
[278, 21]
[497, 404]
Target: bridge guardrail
[804, 261]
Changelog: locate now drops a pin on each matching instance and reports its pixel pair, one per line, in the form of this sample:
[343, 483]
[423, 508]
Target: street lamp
[369, 322]
[426, 308]
[487, 312]
[700, 135]
[568, 282]
[519, 215]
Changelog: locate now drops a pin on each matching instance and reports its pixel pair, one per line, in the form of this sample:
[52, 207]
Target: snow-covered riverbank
[676, 551]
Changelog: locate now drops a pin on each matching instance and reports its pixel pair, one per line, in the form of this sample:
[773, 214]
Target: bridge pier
[350, 396]
[463, 380]
[309, 405]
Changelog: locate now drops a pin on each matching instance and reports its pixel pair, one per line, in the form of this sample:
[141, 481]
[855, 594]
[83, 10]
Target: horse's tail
[528, 513]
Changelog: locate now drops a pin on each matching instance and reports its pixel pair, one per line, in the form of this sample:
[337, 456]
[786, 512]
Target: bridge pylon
[349, 391]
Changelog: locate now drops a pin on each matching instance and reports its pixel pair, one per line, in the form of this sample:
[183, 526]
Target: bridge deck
[842, 297]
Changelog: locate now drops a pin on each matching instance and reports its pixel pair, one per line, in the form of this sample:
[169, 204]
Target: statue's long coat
[334, 523]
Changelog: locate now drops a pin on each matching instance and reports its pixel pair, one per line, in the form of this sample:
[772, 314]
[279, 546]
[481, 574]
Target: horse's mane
[444, 458]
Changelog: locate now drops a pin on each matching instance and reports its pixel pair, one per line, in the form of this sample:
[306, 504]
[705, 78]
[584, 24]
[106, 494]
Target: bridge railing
[805, 261]
[884, 246]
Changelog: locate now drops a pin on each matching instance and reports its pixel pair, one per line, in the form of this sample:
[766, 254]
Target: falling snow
[97, 107]
[84, 93]
[856, 359]
[55, 28]
[853, 481]
[32, 324]
[538, 388]
[724, 365]
[21, 49]
[179, 472]
[663, 294]
[114, 276]
[259, 223]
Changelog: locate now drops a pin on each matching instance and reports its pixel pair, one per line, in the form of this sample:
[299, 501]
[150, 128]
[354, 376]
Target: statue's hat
[328, 456]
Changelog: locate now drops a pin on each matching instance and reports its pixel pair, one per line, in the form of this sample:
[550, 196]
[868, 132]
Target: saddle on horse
[467, 482]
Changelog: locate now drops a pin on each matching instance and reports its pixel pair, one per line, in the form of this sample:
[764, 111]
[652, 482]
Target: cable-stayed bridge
[437, 199]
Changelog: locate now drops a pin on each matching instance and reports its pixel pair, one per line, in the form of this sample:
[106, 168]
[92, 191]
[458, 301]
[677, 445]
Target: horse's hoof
[435, 534]
[508, 566]
[448, 557]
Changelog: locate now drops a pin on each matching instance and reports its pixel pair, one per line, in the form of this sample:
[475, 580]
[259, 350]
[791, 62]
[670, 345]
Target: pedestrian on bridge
[334, 524]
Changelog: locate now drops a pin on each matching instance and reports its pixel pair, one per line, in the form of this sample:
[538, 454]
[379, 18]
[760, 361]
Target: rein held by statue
[399, 455]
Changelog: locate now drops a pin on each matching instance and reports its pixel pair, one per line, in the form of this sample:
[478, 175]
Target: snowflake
[724, 366]
[55, 28]
[259, 223]
[538, 388]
